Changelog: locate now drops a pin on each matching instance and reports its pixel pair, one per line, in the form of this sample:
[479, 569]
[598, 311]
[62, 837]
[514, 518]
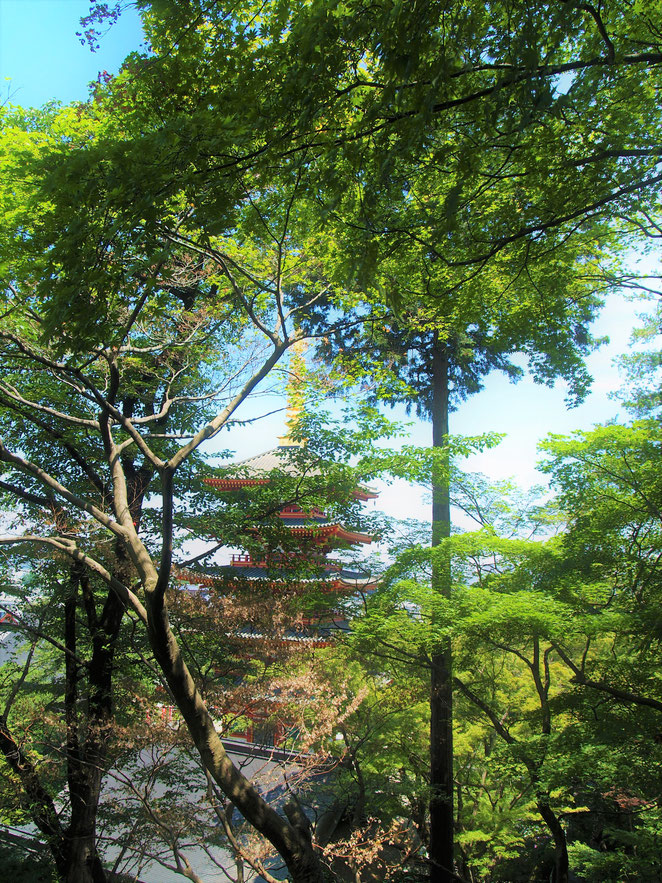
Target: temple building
[288, 591]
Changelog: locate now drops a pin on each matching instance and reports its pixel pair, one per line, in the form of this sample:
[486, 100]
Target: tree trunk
[40, 803]
[81, 863]
[86, 760]
[561, 863]
[291, 840]
[441, 675]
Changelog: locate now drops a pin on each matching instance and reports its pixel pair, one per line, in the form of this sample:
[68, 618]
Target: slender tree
[107, 399]
[477, 135]
[434, 352]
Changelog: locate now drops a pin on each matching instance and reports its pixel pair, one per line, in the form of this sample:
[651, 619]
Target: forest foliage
[424, 192]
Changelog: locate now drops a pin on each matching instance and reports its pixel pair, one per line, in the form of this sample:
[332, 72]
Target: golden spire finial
[295, 392]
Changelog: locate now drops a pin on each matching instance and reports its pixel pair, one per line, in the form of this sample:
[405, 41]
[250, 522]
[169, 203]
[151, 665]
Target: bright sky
[525, 412]
[44, 59]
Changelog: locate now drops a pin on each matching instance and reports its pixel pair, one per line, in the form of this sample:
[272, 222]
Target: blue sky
[40, 52]
[524, 412]
[44, 59]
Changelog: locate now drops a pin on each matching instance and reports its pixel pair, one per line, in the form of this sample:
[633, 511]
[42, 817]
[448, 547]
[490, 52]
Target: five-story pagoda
[283, 593]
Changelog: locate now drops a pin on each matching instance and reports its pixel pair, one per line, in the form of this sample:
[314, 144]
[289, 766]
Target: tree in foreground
[555, 650]
[443, 337]
[122, 352]
[147, 217]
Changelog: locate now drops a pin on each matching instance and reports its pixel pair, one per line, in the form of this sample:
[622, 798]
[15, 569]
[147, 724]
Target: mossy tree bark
[441, 661]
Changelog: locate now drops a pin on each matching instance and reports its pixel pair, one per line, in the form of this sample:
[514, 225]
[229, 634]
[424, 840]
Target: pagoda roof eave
[364, 494]
[233, 484]
[338, 583]
[322, 531]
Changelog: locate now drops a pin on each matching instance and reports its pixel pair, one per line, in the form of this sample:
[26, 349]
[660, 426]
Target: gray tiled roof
[250, 572]
[282, 458]
[279, 458]
[260, 573]
[305, 521]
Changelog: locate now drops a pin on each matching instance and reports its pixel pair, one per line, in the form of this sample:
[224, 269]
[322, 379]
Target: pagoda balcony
[244, 559]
